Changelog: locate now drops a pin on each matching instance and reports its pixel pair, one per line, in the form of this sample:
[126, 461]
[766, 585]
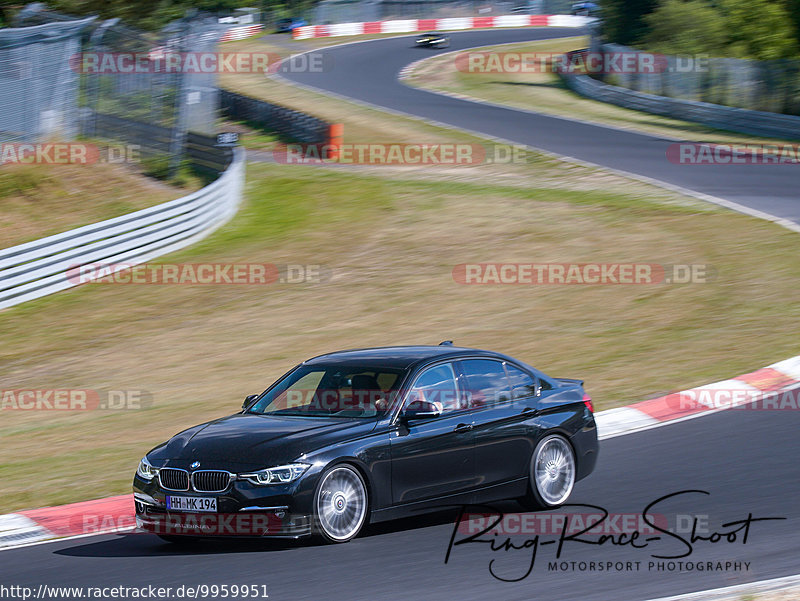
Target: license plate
[192, 503]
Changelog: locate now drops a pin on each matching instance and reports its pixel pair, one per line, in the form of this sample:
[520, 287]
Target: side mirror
[249, 399]
[422, 410]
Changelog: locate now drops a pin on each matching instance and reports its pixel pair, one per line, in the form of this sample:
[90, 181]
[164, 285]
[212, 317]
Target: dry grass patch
[41, 200]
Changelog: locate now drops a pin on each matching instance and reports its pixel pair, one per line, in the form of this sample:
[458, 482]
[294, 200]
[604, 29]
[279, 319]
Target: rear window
[486, 382]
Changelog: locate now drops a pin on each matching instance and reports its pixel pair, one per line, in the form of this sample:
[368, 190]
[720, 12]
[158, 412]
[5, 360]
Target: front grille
[173, 479]
[211, 480]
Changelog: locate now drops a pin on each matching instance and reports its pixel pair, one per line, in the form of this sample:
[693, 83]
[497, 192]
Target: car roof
[401, 357]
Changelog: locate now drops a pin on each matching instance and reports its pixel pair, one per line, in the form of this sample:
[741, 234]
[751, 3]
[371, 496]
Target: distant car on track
[289, 24]
[586, 9]
[369, 435]
[432, 39]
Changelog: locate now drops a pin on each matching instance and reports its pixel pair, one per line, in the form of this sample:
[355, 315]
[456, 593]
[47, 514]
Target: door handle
[462, 428]
[530, 411]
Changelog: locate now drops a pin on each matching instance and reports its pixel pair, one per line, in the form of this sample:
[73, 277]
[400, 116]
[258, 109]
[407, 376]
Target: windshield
[332, 391]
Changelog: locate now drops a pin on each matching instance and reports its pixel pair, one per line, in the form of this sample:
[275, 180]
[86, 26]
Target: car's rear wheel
[340, 504]
[551, 474]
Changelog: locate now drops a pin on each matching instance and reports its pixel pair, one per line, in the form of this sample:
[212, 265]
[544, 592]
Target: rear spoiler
[569, 381]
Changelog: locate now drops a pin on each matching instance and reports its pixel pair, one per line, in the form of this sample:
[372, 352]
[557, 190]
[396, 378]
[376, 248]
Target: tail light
[587, 400]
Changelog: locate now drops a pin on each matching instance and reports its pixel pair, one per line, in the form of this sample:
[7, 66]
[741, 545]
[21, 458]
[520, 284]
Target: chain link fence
[38, 89]
[771, 86]
[151, 105]
[61, 77]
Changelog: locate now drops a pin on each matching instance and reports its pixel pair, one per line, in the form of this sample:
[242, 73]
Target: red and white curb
[450, 24]
[102, 516]
[241, 33]
[766, 385]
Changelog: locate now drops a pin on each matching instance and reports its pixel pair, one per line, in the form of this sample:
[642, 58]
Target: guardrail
[759, 123]
[42, 267]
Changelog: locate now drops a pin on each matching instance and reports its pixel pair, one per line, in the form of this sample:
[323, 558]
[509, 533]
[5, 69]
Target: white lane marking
[731, 593]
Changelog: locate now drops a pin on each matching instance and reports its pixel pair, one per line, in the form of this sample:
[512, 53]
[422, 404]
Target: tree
[759, 29]
[792, 8]
[686, 27]
[623, 20]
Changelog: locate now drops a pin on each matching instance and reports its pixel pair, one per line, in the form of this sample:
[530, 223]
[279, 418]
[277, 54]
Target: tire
[341, 504]
[551, 475]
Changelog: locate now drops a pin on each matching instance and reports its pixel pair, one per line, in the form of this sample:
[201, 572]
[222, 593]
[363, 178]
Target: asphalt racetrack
[368, 72]
[746, 460]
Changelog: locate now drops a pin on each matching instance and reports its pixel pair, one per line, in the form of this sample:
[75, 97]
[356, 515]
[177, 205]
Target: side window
[522, 384]
[435, 386]
[486, 382]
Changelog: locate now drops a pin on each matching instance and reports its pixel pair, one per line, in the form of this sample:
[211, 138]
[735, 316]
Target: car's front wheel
[340, 504]
[551, 474]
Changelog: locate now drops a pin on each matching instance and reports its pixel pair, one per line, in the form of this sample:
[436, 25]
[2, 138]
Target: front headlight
[277, 475]
[146, 471]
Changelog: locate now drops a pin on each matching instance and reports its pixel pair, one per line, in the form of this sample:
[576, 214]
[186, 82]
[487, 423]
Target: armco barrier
[291, 124]
[757, 123]
[450, 24]
[40, 267]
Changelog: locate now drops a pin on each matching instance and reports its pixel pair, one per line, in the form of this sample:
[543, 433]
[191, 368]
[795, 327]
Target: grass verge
[41, 200]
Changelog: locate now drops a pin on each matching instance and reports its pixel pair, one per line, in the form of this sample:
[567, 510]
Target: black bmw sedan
[368, 435]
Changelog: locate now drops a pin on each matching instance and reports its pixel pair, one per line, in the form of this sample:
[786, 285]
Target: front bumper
[275, 521]
[243, 509]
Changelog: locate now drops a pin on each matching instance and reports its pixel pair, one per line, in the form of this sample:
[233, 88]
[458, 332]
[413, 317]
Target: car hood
[249, 441]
